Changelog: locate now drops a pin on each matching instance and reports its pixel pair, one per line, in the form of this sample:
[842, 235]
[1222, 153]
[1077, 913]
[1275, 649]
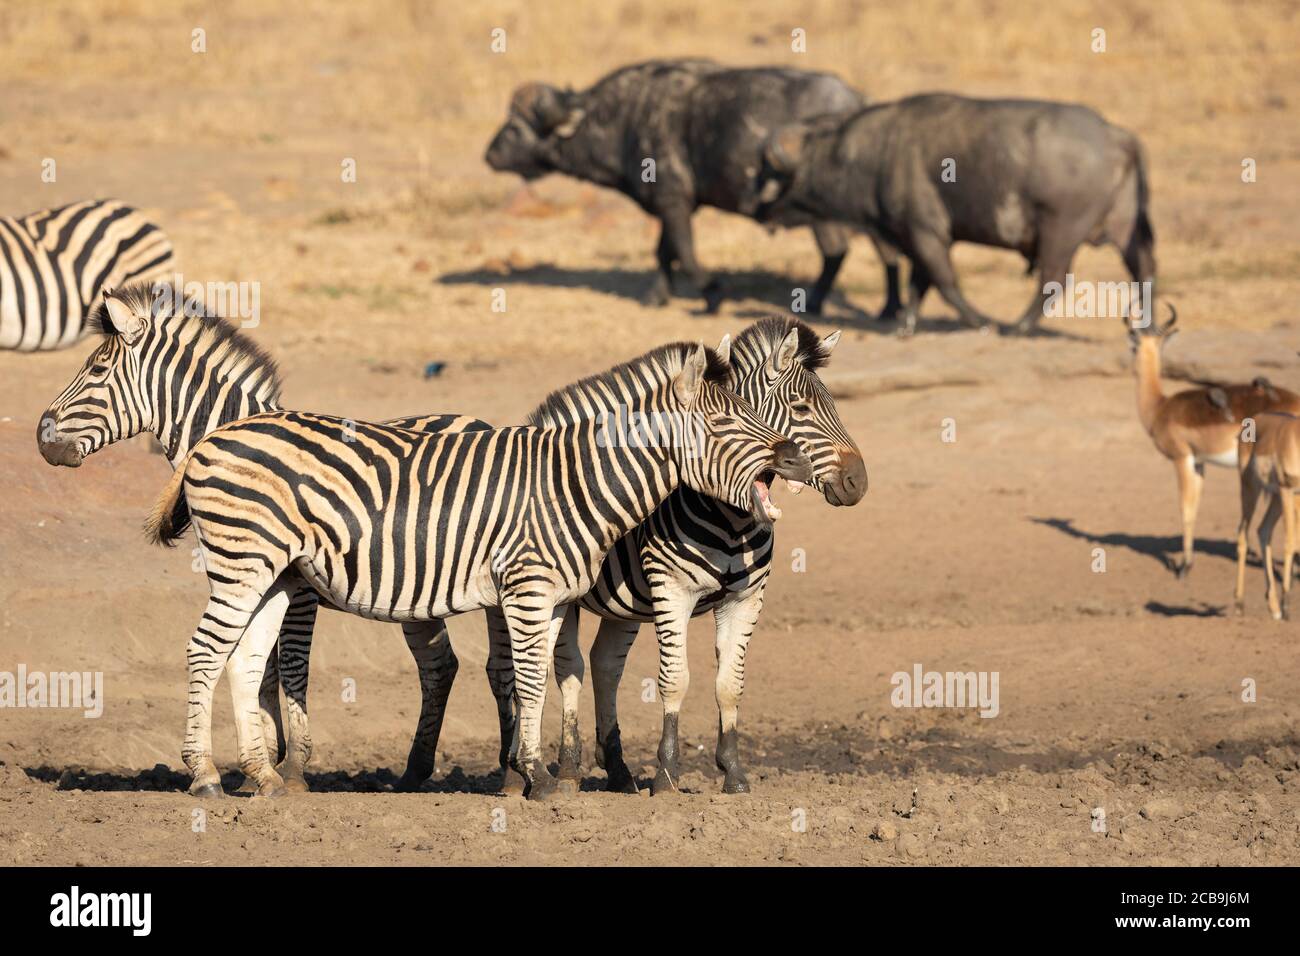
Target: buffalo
[674, 135]
[927, 171]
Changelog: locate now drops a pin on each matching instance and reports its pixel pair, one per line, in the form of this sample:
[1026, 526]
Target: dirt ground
[1120, 690]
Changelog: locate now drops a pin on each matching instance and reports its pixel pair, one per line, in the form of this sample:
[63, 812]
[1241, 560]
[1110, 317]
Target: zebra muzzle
[58, 451]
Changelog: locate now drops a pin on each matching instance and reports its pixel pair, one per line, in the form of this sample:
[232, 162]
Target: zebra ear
[723, 350]
[125, 322]
[828, 344]
[784, 355]
[687, 383]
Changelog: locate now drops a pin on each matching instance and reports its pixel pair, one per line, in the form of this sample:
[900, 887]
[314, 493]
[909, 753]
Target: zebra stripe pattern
[178, 372]
[54, 263]
[697, 554]
[406, 526]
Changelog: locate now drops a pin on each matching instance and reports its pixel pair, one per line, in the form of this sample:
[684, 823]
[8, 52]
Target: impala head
[1150, 341]
[163, 366]
[727, 451]
[775, 365]
[538, 115]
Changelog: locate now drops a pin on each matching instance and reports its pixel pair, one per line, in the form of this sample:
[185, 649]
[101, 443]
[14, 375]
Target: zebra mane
[668, 360]
[218, 334]
[768, 334]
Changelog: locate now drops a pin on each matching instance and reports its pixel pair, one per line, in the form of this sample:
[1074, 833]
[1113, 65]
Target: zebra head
[728, 452]
[774, 366]
[164, 366]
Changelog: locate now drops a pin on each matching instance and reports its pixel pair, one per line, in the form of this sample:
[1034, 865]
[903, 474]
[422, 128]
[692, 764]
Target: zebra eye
[801, 410]
[98, 371]
[722, 421]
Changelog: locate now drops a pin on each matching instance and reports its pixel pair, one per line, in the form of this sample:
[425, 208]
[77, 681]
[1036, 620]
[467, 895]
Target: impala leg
[534, 628]
[1287, 497]
[735, 621]
[501, 678]
[1266, 551]
[436, 663]
[1249, 499]
[295, 656]
[608, 658]
[672, 616]
[1191, 477]
[568, 677]
[245, 669]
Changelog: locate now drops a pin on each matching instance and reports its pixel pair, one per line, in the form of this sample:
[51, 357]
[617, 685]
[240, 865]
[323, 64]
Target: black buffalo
[927, 171]
[703, 125]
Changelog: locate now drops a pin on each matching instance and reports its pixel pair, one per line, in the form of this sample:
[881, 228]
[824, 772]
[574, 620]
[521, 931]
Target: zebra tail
[171, 515]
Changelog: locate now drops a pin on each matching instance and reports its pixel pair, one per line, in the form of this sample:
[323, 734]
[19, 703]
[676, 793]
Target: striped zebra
[407, 526]
[178, 372]
[54, 263]
[697, 554]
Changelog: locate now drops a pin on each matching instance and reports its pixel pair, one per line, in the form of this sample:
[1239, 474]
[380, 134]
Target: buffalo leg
[888, 253]
[933, 252]
[833, 241]
[677, 227]
[918, 284]
[661, 289]
[1056, 249]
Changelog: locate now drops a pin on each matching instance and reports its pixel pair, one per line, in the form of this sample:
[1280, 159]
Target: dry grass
[238, 149]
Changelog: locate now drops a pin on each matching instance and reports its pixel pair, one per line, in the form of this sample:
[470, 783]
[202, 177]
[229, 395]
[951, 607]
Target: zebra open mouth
[764, 508]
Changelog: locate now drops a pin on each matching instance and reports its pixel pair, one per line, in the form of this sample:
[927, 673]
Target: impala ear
[121, 319]
[786, 352]
[686, 385]
[828, 344]
[723, 351]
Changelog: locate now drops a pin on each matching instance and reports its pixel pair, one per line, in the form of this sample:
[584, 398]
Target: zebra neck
[181, 429]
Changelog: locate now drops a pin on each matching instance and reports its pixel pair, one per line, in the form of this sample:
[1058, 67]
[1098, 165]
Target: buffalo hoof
[656, 297]
[408, 783]
[890, 315]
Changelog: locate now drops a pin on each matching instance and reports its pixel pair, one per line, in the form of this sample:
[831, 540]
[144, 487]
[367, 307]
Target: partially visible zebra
[53, 264]
[697, 554]
[406, 526]
[174, 370]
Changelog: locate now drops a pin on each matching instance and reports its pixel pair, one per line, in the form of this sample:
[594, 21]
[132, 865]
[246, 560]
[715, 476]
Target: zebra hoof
[543, 786]
[621, 781]
[247, 786]
[514, 784]
[663, 784]
[270, 792]
[296, 784]
[566, 787]
[206, 791]
[735, 783]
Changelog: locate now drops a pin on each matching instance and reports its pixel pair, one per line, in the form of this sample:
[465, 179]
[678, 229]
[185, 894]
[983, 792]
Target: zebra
[399, 525]
[53, 264]
[177, 371]
[696, 554]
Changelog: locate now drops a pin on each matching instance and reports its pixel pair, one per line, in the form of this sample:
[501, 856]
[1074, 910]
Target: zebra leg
[534, 628]
[436, 661]
[295, 653]
[608, 657]
[672, 615]
[268, 697]
[735, 621]
[224, 620]
[501, 678]
[568, 678]
[245, 669]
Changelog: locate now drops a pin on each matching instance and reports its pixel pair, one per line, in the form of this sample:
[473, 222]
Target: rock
[909, 845]
[884, 831]
[1162, 808]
